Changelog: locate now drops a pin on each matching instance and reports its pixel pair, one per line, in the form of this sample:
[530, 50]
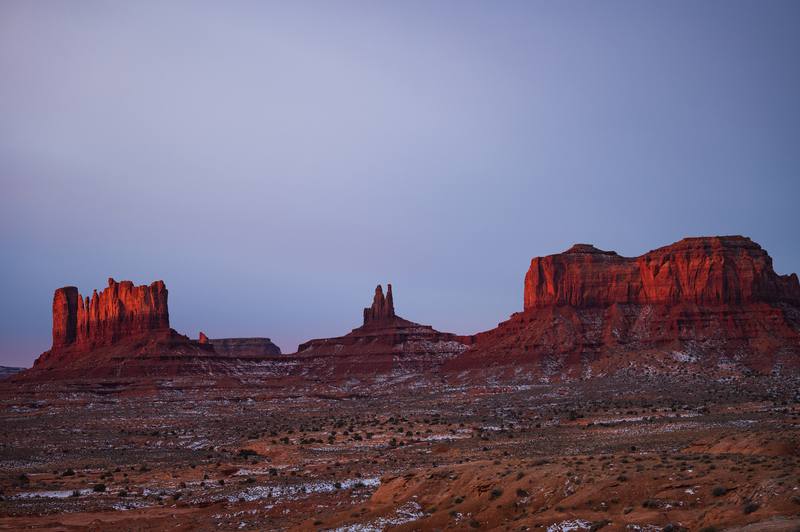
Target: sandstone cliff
[119, 311]
[382, 308]
[705, 271]
[701, 304]
[123, 331]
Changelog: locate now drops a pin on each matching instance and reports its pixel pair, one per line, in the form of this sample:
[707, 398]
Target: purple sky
[274, 162]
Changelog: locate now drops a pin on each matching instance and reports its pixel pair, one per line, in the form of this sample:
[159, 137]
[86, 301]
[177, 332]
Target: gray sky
[273, 162]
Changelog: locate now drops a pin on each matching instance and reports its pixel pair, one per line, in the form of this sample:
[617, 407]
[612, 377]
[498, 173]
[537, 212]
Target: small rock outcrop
[244, 347]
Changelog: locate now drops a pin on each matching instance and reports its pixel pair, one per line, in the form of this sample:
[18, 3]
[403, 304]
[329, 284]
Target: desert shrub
[719, 491]
[750, 507]
[122, 493]
[521, 493]
[708, 529]
[68, 473]
[99, 488]
[246, 453]
[496, 493]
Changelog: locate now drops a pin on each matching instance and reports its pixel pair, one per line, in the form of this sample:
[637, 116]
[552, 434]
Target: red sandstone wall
[703, 271]
[120, 310]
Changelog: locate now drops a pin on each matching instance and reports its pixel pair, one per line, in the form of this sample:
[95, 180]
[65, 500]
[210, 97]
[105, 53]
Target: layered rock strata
[384, 343]
[123, 331]
[701, 304]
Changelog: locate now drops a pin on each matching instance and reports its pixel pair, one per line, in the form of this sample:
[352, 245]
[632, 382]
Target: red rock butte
[726, 270]
[119, 311]
[711, 299]
[124, 331]
[383, 343]
[382, 308]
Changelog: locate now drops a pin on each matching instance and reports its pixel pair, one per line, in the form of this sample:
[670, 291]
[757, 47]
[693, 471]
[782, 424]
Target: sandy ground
[414, 455]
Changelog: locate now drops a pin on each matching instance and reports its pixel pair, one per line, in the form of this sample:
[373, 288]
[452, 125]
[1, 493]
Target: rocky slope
[385, 343]
[710, 304]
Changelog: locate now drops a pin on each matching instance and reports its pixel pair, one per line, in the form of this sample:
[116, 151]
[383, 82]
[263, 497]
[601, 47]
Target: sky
[273, 161]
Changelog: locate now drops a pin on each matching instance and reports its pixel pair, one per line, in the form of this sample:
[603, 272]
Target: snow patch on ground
[569, 526]
[295, 491]
[53, 494]
[408, 513]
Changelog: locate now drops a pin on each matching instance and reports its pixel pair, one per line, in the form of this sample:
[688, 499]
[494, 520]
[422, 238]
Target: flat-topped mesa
[710, 271]
[244, 347]
[382, 309]
[119, 311]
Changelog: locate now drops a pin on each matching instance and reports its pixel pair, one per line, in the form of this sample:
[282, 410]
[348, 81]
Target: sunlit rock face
[726, 270]
[124, 331]
[714, 301]
[119, 311]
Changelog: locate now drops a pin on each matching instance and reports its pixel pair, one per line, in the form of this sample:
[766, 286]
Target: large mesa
[704, 271]
[714, 303]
